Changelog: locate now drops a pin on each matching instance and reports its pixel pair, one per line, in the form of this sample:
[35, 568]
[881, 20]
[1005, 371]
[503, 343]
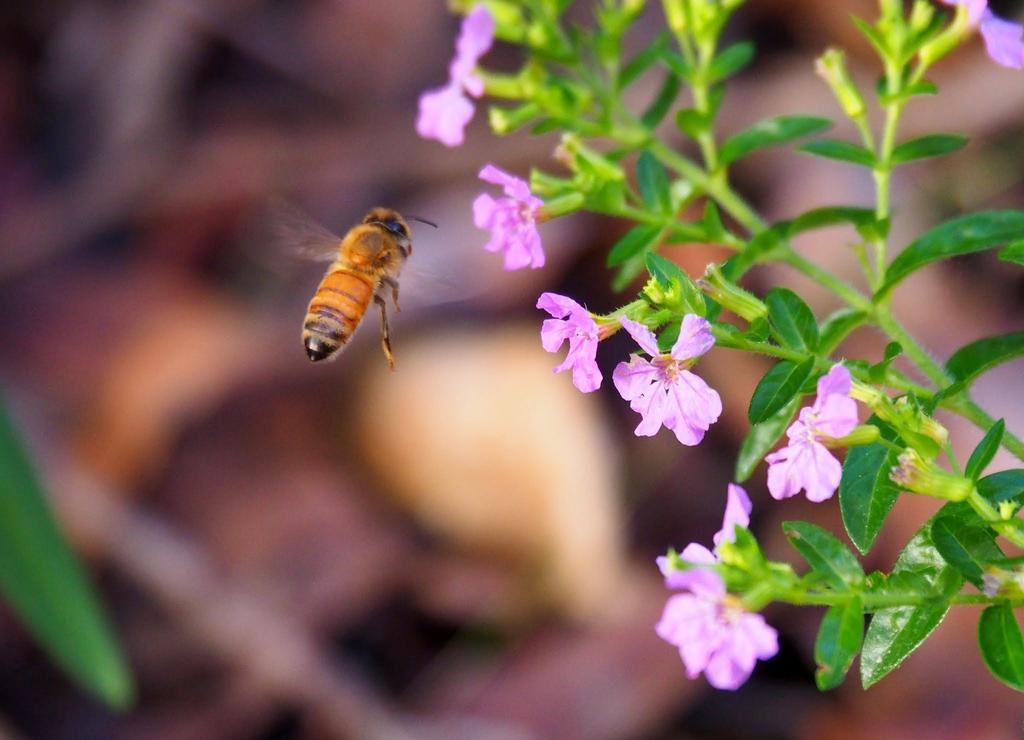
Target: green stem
[875, 602]
[911, 348]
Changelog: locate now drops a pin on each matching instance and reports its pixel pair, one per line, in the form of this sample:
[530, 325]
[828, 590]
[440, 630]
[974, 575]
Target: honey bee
[366, 261]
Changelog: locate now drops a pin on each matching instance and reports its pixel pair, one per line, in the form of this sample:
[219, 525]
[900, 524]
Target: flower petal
[822, 474]
[634, 378]
[836, 380]
[695, 338]
[737, 514]
[1004, 40]
[444, 114]
[559, 306]
[837, 416]
[642, 335]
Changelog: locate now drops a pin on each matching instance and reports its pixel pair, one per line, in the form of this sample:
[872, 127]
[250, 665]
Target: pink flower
[1004, 40]
[662, 390]
[715, 635]
[512, 220]
[805, 463]
[572, 322]
[444, 112]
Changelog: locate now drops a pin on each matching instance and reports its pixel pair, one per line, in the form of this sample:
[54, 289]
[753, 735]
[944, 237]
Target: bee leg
[393, 284]
[385, 335]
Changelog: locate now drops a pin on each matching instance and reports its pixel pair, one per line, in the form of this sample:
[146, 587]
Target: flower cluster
[446, 111]
[713, 631]
[618, 166]
[661, 389]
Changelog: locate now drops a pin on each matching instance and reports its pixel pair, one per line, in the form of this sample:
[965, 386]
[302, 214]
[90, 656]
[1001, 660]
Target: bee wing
[443, 273]
[301, 236]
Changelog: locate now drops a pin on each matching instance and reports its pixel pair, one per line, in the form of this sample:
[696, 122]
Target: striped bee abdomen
[335, 311]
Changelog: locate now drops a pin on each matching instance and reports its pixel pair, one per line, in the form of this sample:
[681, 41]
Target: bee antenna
[423, 221]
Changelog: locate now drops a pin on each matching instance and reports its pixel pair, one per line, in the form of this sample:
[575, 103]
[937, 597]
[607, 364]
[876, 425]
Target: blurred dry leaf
[476, 438]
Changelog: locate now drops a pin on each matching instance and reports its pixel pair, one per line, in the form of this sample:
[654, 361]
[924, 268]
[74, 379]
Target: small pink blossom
[662, 390]
[805, 463]
[512, 219]
[572, 322]
[445, 112]
[714, 633]
[1004, 40]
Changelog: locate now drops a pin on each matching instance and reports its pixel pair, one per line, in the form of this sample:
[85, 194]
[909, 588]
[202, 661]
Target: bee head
[391, 220]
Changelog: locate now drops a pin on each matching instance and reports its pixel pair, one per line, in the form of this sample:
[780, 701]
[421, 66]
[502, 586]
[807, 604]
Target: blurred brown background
[464, 548]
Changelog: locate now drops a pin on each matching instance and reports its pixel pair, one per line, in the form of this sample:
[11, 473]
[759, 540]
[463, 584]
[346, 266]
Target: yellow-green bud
[675, 15]
[731, 296]
[545, 186]
[507, 120]
[921, 16]
[914, 473]
[572, 151]
[869, 396]
[910, 417]
[831, 67]
[498, 85]
[864, 434]
[954, 35]
[560, 206]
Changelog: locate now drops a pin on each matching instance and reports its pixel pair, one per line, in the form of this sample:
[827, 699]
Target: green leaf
[636, 241]
[829, 216]
[825, 554]
[964, 235]
[45, 585]
[877, 40]
[895, 633]
[878, 371]
[629, 271]
[839, 640]
[711, 222]
[967, 546]
[837, 326]
[664, 270]
[654, 183]
[1002, 645]
[792, 321]
[1013, 253]
[691, 122]
[985, 451]
[660, 105]
[761, 438]
[730, 61]
[677, 64]
[934, 145]
[777, 388]
[1006, 485]
[843, 151]
[643, 61]
[972, 360]
[866, 495]
[770, 132]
